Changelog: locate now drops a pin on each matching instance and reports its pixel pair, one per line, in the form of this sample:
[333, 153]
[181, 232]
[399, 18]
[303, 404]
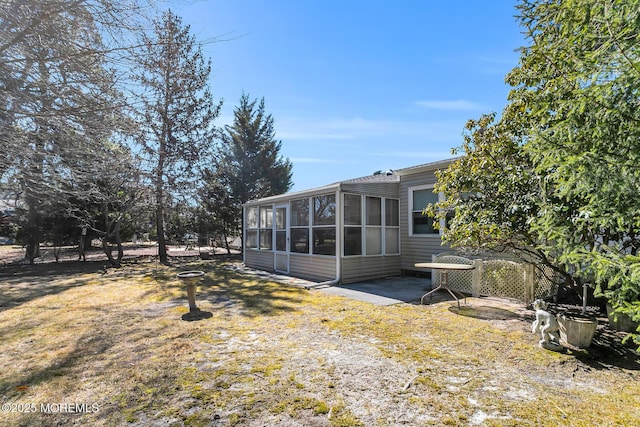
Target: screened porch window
[251, 239]
[352, 225]
[392, 226]
[371, 225]
[324, 225]
[299, 229]
[374, 225]
[266, 227]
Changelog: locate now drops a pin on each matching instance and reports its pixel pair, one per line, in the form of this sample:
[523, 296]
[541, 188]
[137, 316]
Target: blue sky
[359, 86]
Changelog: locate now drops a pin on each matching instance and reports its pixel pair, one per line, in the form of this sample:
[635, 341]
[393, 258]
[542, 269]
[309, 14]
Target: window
[371, 225]
[300, 213]
[352, 209]
[300, 240]
[251, 239]
[392, 226]
[352, 225]
[266, 227]
[374, 226]
[299, 226]
[324, 241]
[420, 198]
[324, 210]
[324, 225]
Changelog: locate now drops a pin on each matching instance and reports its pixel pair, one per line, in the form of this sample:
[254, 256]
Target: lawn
[84, 347]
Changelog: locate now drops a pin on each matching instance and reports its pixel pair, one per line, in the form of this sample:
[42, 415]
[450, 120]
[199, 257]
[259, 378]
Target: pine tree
[177, 114]
[249, 165]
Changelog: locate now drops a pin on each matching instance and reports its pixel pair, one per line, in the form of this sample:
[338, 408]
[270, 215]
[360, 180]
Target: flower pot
[621, 321]
[577, 331]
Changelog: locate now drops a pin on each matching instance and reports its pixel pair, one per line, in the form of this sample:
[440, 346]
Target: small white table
[444, 268]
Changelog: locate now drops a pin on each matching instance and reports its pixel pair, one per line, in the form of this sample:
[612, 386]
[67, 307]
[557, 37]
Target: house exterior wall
[416, 248]
[355, 269]
[313, 267]
[413, 247]
[383, 189]
[261, 260]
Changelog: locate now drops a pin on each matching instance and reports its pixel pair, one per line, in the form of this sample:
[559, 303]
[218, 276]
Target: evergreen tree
[557, 177]
[177, 114]
[249, 165]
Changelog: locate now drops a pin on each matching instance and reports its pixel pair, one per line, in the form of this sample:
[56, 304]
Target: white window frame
[344, 226]
[378, 227]
[386, 227]
[294, 228]
[248, 229]
[410, 212]
[363, 226]
[263, 228]
[318, 227]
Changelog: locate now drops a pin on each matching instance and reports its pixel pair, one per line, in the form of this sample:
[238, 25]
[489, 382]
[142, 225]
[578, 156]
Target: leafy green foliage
[559, 171]
[580, 82]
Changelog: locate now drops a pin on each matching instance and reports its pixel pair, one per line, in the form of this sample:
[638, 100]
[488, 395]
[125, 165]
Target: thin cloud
[452, 105]
[340, 129]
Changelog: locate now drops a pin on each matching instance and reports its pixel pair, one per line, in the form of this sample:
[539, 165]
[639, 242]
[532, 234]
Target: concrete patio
[409, 290]
[387, 291]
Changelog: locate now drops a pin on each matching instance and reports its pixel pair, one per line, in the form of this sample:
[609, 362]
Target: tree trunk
[162, 243]
[226, 241]
[107, 250]
[119, 243]
[33, 249]
[83, 241]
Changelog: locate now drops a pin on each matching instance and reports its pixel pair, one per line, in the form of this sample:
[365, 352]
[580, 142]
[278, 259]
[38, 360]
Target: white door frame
[281, 257]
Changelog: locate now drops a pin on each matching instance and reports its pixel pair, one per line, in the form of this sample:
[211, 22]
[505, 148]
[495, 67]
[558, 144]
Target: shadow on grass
[607, 351]
[20, 284]
[195, 315]
[224, 289]
[88, 345]
[485, 312]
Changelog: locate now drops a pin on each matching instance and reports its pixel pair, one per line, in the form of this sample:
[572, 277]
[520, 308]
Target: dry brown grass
[277, 355]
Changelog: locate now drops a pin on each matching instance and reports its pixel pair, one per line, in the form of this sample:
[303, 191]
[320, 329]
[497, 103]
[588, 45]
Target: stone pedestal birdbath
[191, 278]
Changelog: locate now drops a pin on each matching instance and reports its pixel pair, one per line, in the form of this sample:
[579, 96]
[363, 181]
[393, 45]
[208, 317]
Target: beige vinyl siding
[311, 267]
[261, 260]
[355, 269]
[415, 248]
[381, 189]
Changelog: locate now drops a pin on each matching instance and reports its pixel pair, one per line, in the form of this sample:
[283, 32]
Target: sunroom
[344, 232]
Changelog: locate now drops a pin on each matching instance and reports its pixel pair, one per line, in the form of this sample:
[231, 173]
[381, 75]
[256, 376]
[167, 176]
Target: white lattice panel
[499, 278]
[544, 280]
[461, 281]
[503, 278]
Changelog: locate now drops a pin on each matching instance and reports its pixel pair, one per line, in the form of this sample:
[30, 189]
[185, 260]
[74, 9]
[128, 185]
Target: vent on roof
[380, 172]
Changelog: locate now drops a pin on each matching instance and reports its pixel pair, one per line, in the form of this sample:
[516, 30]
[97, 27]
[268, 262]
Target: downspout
[244, 236]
